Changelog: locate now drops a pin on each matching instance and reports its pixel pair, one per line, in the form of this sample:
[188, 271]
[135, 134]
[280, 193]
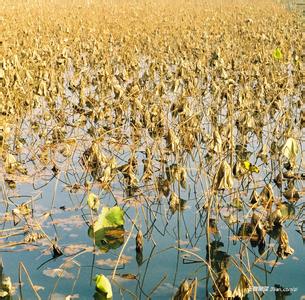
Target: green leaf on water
[277, 53]
[103, 285]
[110, 217]
[108, 230]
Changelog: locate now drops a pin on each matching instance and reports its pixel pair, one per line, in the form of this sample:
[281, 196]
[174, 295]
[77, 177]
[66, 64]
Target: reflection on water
[174, 248]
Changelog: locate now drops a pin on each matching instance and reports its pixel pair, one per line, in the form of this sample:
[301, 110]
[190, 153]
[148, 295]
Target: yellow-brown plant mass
[153, 97]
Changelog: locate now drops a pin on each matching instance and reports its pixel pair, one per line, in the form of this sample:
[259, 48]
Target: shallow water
[163, 268]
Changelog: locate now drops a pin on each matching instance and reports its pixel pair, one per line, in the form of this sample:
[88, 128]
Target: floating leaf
[108, 238]
[109, 218]
[103, 285]
[108, 230]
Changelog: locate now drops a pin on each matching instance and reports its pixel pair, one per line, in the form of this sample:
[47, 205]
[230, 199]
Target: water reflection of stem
[176, 269]
[63, 269]
[209, 269]
[158, 284]
[124, 289]
[146, 268]
[242, 271]
[94, 246]
[21, 266]
[123, 248]
[208, 245]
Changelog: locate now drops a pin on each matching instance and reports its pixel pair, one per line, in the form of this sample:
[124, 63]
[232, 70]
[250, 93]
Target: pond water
[174, 246]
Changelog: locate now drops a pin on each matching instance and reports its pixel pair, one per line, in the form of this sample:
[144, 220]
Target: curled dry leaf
[291, 194]
[221, 286]
[291, 149]
[139, 241]
[254, 199]
[174, 202]
[223, 178]
[266, 196]
[242, 288]
[284, 250]
[128, 276]
[185, 290]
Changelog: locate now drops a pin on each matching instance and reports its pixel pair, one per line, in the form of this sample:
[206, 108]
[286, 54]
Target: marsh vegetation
[151, 150]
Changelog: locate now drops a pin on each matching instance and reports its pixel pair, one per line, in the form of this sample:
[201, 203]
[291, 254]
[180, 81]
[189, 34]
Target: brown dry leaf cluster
[158, 99]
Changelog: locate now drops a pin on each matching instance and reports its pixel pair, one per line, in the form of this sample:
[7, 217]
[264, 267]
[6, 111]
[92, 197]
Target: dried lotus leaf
[174, 202]
[186, 290]
[254, 199]
[284, 250]
[291, 194]
[223, 178]
[139, 241]
[221, 286]
[291, 149]
[243, 287]
[267, 196]
[163, 186]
